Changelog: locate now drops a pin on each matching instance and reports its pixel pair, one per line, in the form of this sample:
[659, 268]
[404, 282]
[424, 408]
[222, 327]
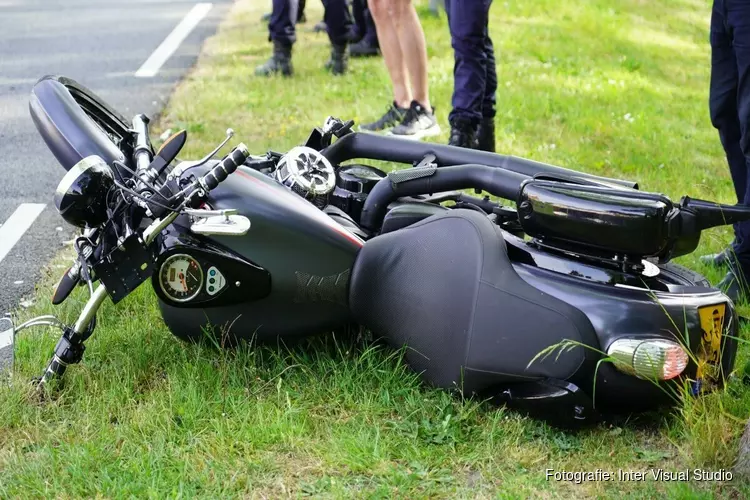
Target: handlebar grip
[226, 166]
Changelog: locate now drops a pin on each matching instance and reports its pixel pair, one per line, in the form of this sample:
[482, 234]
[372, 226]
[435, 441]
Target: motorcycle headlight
[654, 359]
[81, 196]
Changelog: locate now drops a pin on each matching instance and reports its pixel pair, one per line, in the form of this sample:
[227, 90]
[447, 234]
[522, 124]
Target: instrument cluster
[199, 274]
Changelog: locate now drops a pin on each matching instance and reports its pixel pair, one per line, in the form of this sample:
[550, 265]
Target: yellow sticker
[712, 326]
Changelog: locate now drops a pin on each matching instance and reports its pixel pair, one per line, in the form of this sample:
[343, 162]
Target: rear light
[654, 359]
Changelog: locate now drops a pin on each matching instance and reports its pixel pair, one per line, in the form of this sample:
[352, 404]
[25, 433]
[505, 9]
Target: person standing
[283, 36]
[301, 19]
[404, 51]
[472, 118]
[364, 35]
[729, 106]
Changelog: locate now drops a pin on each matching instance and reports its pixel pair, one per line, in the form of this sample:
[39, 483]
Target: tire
[683, 275]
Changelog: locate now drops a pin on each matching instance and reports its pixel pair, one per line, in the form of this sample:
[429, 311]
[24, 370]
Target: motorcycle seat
[446, 289]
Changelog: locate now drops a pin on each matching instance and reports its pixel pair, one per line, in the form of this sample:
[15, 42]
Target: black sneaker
[390, 119]
[418, 123]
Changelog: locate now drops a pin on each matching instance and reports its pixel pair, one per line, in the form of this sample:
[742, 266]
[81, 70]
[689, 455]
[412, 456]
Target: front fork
[69, 349]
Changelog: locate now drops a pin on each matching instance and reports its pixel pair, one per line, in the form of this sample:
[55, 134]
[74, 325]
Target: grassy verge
[615, 88]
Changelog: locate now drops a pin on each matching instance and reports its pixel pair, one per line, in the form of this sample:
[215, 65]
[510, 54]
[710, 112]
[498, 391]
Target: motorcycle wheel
[678, 274]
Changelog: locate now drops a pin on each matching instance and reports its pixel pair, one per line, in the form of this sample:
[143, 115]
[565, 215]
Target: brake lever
[183, 167]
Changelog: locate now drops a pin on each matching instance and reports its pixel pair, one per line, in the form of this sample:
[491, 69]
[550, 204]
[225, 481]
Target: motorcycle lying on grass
[562, 304]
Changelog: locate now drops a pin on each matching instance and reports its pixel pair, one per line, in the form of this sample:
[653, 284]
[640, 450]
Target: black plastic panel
[244, 280]
[622, 222]
[125, 268]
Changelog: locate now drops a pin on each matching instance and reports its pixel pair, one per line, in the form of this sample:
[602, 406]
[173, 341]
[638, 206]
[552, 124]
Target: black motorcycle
[561, 303]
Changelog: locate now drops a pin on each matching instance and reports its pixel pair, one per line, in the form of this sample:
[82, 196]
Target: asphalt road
[101, 44]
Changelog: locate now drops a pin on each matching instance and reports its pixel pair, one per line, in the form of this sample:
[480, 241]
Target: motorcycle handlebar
[225, 167]
[170, 192]
[142, 151]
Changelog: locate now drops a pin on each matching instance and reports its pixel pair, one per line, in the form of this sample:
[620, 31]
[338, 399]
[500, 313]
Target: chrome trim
[142, 151]
[165, 289]
[89, 310]
[303, 164]
[195, 212]
[75, 172]
[225, 225]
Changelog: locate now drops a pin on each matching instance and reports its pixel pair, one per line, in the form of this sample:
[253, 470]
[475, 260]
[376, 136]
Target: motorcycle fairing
[446, 289]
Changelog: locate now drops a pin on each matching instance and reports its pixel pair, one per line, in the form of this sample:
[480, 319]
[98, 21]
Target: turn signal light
[654, 359]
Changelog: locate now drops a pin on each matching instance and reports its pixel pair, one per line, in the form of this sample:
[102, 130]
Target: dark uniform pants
[474, 75]
[729, 103]
[364, 24]
[284, 14]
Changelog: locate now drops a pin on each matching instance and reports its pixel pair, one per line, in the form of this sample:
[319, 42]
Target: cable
[148, 200]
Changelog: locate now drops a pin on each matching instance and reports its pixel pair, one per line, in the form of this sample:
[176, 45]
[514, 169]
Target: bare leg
[414, 49]
[391, 49]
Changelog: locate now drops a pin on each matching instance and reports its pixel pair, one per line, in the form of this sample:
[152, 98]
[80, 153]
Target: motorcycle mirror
[7, 346]
[172, 146]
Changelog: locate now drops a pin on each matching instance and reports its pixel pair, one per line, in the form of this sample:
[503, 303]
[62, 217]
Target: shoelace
[390, 116]
[411, 116]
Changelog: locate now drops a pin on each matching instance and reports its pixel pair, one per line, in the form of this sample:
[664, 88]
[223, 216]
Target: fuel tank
[287, 277]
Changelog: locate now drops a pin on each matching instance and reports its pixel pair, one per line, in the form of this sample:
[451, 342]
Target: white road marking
[173, 40]
[17, 224]
[6, 338]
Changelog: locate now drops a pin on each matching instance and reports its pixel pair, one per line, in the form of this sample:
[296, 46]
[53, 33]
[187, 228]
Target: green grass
[147, 415]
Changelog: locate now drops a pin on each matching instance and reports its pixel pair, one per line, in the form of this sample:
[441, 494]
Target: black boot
[363, 48]
[463, 134]
[280, 62]
[486, 135]
[338, 62]
[320, 27]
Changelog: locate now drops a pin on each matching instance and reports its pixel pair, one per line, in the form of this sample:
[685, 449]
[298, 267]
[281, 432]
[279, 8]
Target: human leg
[283, 35]
[468, 28]
[394, 63]
[390, 47]
[730, 113]
[486, 130]
[338, 23]
[419, 121]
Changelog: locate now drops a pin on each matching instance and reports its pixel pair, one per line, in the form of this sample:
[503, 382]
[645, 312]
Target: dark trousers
[474, 74]
[729, 103]
[364, 25]
[284, 14]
